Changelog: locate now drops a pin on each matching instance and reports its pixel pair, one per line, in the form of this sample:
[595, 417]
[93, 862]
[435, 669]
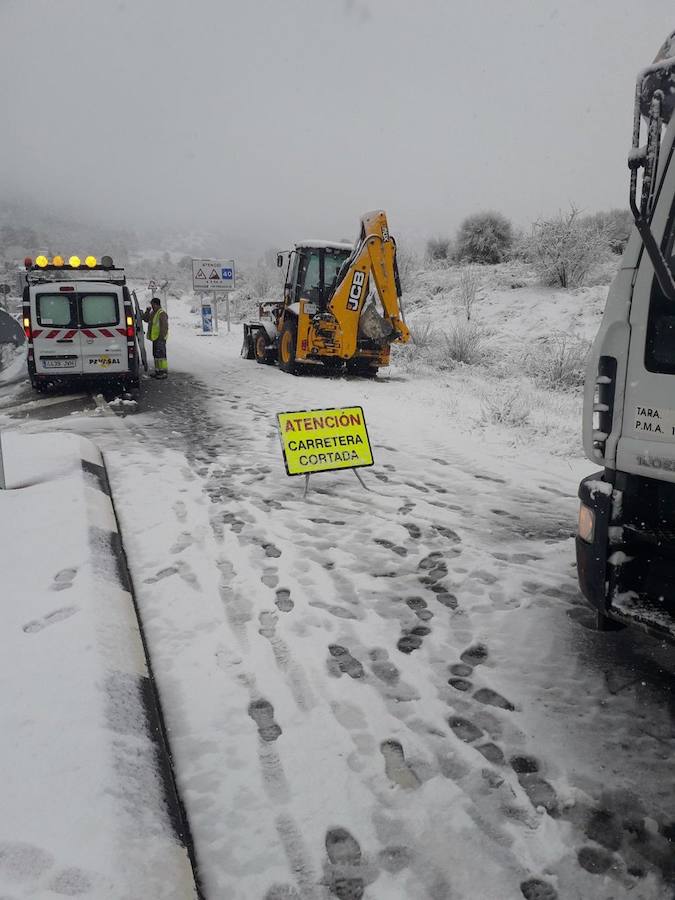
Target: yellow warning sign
[322, 440]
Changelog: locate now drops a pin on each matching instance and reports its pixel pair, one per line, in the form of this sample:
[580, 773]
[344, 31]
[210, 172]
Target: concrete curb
[104, 531]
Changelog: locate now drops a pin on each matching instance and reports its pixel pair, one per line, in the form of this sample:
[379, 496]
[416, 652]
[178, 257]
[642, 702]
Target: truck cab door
[56, 336]
[102, 329]
[647, 443]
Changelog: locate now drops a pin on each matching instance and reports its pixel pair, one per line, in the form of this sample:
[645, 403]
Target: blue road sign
[207, 319]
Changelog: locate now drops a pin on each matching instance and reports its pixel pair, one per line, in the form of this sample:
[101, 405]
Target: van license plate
[58, 363]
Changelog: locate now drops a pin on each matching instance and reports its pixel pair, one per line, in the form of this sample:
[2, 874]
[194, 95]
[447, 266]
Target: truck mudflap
[627, 567]
[595, 494]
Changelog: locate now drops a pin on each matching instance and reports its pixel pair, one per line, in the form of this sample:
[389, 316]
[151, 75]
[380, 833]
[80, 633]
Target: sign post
[325, 440]
[217, 276]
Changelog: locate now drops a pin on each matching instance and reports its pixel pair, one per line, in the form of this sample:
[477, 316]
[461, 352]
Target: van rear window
[99, 309]
[54, 309]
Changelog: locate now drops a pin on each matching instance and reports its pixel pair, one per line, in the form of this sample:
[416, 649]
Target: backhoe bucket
[375, 327]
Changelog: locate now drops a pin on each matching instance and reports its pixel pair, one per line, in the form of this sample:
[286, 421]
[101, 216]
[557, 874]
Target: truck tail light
[27, 329]
[130, 327]
[586, 529]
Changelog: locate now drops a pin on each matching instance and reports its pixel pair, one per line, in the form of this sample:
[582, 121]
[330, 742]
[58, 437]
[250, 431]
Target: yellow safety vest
[154, 326]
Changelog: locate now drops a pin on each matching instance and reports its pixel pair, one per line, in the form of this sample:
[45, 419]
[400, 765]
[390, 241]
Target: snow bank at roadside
[84, 809]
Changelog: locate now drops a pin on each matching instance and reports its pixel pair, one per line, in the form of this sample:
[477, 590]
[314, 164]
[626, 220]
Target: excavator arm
[374, 257]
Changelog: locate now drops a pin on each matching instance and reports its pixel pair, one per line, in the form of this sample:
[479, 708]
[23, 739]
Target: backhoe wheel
[262, 355]
[287, 346]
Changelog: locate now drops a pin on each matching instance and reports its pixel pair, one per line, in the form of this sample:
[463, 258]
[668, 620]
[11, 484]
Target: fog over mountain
[267, 121]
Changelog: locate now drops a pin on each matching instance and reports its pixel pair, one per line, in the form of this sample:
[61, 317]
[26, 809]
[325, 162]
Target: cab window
[55, 309]
[332, 265]
[310, 274]
[99, 309]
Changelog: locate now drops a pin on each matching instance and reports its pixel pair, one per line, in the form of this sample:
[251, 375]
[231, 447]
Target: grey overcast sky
[277, 119]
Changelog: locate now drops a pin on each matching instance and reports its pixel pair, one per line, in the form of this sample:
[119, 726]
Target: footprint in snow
[342, 662]
[419, 606]
[183, 541]
[269, 577]
[389, 545]
[63, 579]
[474, 656]
[396, 767]
[283, 600]
[535, 889]
[464, 729]
[382, 668]
[412, 640]
[413, 530]
[539, 791]
[262, 713]
[59, 615]
[345, 860]
[395, 858]
[282, 892]
[271, 550]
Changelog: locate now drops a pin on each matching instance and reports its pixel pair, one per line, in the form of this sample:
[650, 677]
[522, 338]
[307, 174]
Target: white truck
[626, 537]
[82, 323]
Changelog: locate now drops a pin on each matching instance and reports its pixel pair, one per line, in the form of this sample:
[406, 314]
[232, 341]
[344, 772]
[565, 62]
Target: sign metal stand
[358, 478]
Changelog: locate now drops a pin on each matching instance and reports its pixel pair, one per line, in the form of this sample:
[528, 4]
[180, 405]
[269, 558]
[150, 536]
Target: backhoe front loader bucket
[247, 348]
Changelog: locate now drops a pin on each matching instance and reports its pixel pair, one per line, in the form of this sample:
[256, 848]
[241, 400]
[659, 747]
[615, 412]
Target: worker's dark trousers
[159, 354]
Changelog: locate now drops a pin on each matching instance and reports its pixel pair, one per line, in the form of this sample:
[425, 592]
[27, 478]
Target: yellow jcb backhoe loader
[329, 314]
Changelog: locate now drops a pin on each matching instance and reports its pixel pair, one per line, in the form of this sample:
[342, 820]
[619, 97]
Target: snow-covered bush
[408, 263]
[506, 407]
[485, 237]
[465, 342]
[422, 334]
[616, 224]
[439, 250]
[558, 361]
[467, 290]
[563, 250]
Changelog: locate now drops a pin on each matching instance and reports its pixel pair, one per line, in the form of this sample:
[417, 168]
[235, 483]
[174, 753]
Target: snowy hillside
[519, 375]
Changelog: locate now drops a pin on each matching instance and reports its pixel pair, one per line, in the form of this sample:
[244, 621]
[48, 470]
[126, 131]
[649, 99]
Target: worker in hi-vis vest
[158, 332]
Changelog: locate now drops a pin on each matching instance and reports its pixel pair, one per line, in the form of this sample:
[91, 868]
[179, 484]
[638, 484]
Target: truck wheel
[262, 354]
[287, 345]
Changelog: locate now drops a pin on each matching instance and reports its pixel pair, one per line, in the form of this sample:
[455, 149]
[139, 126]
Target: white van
[81, 322]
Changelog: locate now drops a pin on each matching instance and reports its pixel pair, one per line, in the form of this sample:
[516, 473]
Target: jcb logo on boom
[355, 291]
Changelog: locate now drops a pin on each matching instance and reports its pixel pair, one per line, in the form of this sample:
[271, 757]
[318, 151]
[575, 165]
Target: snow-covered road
[391, 694]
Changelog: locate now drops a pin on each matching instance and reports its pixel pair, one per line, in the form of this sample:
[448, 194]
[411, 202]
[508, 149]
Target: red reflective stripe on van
[122, 331]
[53, 334]
[37, 332]
[106, 333]
[69, 335]
[89, 334]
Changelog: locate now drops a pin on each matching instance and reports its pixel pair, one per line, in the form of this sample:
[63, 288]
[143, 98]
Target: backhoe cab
[626, 537]
[329, 315]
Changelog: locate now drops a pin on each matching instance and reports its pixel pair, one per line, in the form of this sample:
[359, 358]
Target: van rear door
[56, 336]
[102, 329]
